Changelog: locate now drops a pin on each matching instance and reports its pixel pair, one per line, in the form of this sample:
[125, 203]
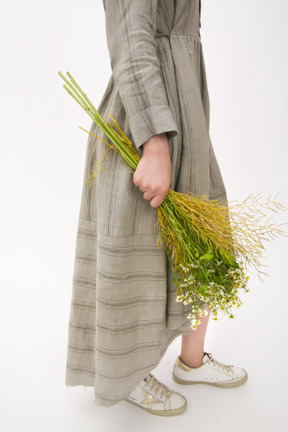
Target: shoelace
[226, 368]
[164, 390]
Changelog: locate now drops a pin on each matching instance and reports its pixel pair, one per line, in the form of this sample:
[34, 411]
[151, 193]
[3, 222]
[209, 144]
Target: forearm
[130, 30]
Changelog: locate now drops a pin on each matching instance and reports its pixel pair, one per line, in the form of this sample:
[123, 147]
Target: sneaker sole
[160, 412]
[215, 384]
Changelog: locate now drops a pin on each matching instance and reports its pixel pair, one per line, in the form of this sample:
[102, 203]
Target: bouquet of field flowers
[209, 244]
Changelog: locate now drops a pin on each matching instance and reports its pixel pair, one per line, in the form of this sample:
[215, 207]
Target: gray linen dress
[123, 310]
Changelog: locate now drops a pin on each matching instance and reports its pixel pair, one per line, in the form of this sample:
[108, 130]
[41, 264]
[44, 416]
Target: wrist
[156, 144]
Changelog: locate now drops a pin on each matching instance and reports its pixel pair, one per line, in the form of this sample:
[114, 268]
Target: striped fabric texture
[123, 312]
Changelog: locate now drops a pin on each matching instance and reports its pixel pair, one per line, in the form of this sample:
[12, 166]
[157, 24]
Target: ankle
[192, 362]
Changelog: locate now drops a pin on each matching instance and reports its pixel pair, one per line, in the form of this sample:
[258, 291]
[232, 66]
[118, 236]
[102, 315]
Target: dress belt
[163, 34]
[158, 35]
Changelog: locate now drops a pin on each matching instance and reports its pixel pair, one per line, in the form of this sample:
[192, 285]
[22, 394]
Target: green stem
[84, 95]
[81, 98]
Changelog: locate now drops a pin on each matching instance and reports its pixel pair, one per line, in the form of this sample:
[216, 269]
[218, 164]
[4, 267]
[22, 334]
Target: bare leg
[192, 347]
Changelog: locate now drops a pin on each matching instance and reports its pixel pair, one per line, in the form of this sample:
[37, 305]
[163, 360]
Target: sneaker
[210, 372]
[157, 398]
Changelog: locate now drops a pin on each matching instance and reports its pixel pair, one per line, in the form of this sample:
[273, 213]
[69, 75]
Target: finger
[157, 200]
[135, 181]
[144, 186]
[137, 178]
[148, 195]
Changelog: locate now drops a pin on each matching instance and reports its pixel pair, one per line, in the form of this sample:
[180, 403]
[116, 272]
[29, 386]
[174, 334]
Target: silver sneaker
[157, 398]
[210, 372]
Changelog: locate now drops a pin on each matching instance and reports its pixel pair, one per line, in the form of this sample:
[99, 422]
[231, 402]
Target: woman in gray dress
[123, 311]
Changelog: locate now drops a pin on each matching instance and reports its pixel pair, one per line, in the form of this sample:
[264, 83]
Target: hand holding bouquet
[209, 245]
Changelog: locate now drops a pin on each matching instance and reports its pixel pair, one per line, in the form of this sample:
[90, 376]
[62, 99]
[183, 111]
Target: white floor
[35, 398]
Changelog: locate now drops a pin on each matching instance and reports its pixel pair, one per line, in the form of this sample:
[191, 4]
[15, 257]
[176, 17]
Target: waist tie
[162, 34]
[158, 35]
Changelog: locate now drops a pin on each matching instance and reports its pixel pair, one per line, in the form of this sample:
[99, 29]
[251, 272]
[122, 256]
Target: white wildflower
[203, 313]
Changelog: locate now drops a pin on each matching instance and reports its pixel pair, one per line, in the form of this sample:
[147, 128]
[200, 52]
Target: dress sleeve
[130, 32]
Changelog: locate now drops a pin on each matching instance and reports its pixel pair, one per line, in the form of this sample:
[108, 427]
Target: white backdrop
[42, 168]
